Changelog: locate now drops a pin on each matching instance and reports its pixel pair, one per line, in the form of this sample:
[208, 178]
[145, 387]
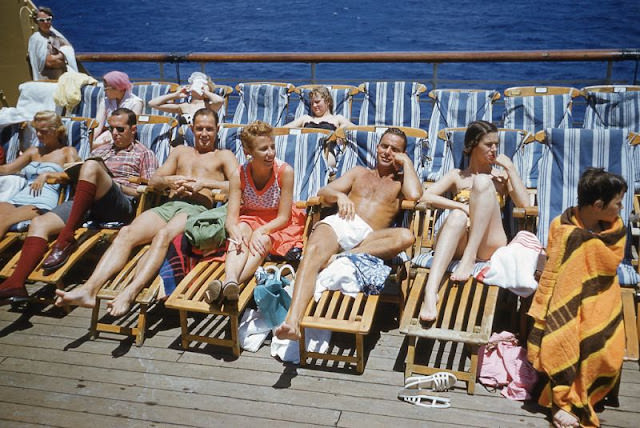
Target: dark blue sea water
[350, 25]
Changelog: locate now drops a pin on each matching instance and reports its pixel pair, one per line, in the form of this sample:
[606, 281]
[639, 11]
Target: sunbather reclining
[368, 200]
[102, 194]
[190, 173]
[473, 229]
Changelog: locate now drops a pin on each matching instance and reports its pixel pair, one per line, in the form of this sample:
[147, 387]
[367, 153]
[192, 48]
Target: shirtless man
[189, 174]
[368, 200]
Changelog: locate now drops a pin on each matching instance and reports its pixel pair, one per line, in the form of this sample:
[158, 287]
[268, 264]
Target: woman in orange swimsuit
[473, 229]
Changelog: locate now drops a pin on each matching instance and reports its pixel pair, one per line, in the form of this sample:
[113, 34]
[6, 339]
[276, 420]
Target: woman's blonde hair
[52, 121]
[254, 130]
[324, 93]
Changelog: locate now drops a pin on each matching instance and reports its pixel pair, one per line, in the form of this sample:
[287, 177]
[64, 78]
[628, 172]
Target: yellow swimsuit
[464, 195]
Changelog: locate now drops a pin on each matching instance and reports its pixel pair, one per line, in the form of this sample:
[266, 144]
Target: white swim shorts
[349, 232]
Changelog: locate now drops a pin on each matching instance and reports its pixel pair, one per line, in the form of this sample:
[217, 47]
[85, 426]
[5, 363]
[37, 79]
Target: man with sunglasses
[103, 193]
[50, 53]
[190, 174]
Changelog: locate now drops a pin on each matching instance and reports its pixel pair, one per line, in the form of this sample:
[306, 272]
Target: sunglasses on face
[49, 19]
[120, 129]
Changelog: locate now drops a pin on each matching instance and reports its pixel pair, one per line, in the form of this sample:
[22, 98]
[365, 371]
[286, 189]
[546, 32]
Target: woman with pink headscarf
[117, 91]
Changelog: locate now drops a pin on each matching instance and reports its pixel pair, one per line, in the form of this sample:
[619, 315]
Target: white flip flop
[440, 381]
[417, 397]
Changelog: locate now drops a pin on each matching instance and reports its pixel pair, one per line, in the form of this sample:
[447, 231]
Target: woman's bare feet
[564, 419]
[121, 304]
[78, 297]
[429, 310]
[286, 331]
[463, 271]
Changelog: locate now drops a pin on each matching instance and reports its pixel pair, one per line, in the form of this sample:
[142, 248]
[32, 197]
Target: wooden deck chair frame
[340, 313]
[188, 298]
[630, 297]
[465, 314]
[611, 88]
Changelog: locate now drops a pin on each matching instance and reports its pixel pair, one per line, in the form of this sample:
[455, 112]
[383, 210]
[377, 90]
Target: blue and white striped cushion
[262, 102]
[566, 154]
[92, 97]
[78, 136]
[391, 103]
[627, 275]
[229, 139]
[452, 109]
[149, 91]
[10, 140]
[613, 110]
[535, 113]
[156, 136]
[341, 102]
[424, 260]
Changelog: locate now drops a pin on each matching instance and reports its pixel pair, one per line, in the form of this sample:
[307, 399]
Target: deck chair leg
[95, 312]
[411, 355]
[630, 324]
[184, 329]
[234, 324]
[360, 353]
[473, 371]
[302, 348]
[142, 325]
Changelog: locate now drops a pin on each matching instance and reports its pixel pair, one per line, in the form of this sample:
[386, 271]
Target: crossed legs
[484, 236]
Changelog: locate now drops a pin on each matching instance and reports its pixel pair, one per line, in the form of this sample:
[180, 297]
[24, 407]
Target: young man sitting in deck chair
[190, 173]
[102, 194]
[368, 200]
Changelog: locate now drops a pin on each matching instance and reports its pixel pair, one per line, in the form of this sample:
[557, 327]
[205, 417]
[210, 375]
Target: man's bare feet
[429, 310]
[78, 297]
[463, 271]
[121, 304]
[564, 419]
[286, 331]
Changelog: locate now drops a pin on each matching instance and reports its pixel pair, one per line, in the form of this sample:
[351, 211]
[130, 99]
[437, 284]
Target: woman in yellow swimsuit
[473, 229]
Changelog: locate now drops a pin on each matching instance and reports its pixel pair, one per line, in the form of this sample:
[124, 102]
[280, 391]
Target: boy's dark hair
[598, 184]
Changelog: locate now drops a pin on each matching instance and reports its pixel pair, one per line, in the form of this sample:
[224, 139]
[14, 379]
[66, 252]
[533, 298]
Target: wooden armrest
[138, 180]
[309, 202]
[525, 212]
[58, 180]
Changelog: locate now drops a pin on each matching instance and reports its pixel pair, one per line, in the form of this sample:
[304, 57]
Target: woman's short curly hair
[252, 131]
[324, 93]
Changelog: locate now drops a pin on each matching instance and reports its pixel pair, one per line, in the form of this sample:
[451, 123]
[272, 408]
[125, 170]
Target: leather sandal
[213, 293]
[231, 291]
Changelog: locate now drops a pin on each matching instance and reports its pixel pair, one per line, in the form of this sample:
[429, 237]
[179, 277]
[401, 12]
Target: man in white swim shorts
[367, 200]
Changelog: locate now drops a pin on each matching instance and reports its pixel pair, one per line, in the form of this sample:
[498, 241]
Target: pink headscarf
[118, 80]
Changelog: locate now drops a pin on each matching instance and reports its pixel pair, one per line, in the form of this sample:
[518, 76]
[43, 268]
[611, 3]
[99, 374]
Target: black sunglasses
[120, 129]
[49, 19]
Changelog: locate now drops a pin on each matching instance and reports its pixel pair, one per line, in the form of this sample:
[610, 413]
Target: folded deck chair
[342, 99]
[92, 97]
[267, 102]
[298, 149]
[336, 311]
[452, 109]
[567, 153]
[391, 103]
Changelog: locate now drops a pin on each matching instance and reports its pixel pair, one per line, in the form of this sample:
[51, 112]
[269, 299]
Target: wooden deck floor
[52, 374]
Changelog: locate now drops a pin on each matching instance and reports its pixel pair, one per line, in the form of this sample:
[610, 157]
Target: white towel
[34, 97]
[513, 266]
[339, 275]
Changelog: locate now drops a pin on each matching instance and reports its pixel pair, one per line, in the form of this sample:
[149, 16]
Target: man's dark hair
[131, 116]
[206, 112]
[397, 132]
[597, 184]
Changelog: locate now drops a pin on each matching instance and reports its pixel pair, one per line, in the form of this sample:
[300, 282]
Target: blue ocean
[352, 26]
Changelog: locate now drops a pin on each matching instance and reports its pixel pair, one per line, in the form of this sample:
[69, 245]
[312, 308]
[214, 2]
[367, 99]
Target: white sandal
[440, 381]
[416, 397]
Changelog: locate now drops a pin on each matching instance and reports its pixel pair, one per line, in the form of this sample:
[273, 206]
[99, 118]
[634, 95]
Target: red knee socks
[82, 201]
[33, 249]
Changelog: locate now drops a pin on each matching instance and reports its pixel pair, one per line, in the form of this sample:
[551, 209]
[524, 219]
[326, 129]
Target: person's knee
[457, 219]
[482, 183]
[126, 237]
[91, 170]
[163, 238]
[404, 238]
[41, 226]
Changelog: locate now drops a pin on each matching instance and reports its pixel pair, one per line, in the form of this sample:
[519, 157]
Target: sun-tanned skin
[188, 174]
[375, 196]
[472, 230]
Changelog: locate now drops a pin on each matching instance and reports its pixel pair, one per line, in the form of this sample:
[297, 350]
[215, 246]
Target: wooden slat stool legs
[630, 324]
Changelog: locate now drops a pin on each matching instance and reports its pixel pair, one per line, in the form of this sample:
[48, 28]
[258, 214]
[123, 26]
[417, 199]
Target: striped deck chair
[80, 134]
[391, 103]
[298, 149]
[567, 153]
[150, 90]
[335, 311]
[342, 99]
[92, 97]
[452, 109]
[155, 133]
[262, 101]
[10, 141]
